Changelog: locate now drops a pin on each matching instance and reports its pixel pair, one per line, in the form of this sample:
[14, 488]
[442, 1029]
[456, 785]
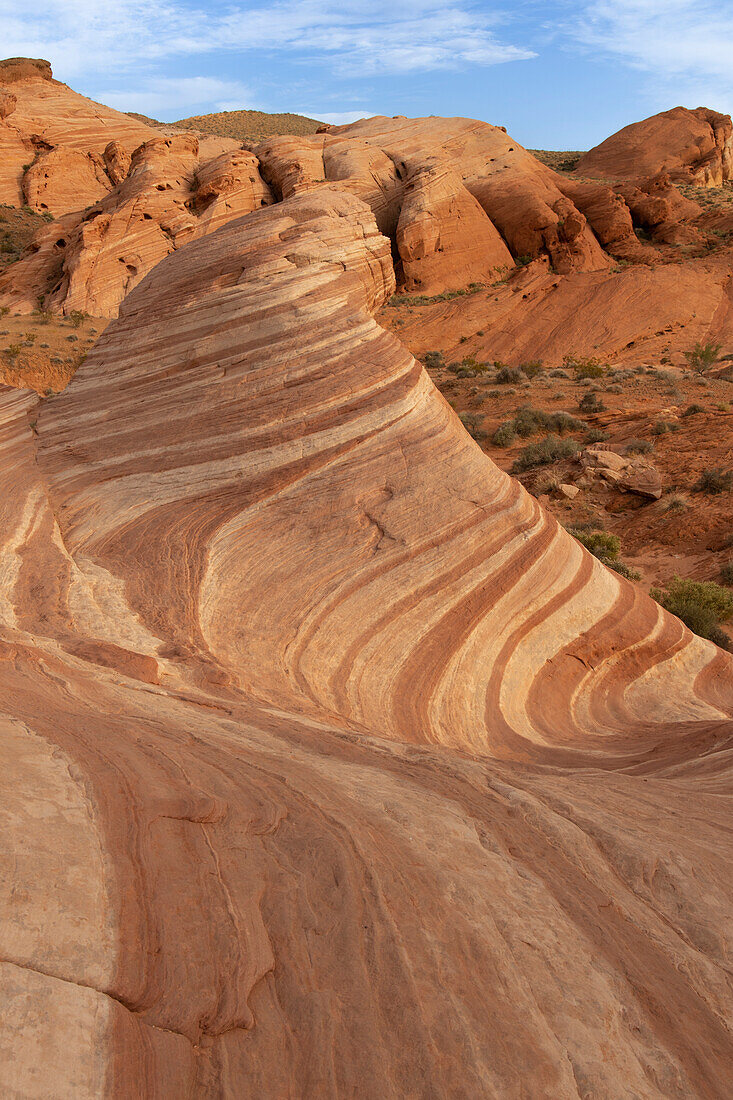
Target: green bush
[692, 410]
[551, 449]
[703, 356]
[639, 447]
[714, 481]
[595, 435]
[472, 423]
[590, 403]
[504, 435]
[508, 376]
[533, 368]
[433, 359]
[585, 368]
[701, 605]
[76, 317]
[527, 421]
[606, 548]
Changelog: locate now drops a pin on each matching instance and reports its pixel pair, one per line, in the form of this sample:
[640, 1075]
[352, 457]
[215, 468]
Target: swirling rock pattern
[332, 766]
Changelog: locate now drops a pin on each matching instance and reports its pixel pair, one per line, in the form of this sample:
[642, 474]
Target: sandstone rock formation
[332, 765]
[460, 201]
[520, 196]
[52, 138]
[441, 222]
[165, 196]
[690, 146]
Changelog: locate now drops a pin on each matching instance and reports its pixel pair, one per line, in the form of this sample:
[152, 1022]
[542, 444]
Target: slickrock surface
[332, 766]
[691, 146]
[52, 140]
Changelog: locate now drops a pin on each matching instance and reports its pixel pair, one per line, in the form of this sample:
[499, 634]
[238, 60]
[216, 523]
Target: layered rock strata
[332, 765]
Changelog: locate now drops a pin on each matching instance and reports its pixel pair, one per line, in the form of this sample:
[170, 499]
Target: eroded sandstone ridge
[690, 146]
[332, 766]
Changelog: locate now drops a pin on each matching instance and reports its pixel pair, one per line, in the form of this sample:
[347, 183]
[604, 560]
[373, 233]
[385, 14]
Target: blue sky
[559, 74]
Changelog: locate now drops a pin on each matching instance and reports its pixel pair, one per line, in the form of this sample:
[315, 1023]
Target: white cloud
[684, 46]
[355, 37]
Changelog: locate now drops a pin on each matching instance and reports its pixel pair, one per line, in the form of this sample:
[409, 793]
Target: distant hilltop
[241, 125]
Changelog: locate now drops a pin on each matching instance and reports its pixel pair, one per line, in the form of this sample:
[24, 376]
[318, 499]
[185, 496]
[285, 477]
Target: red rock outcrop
[53, 139]
[689, 146]
[610, 218]
[661, 210]
[520, 196]
[332, 765]
[441, 224]
[166, 196]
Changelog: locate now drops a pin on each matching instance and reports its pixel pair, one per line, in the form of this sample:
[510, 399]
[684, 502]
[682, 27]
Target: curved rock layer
[690, 146]
[332, 766]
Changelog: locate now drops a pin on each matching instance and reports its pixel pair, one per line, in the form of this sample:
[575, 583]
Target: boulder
[643, 479]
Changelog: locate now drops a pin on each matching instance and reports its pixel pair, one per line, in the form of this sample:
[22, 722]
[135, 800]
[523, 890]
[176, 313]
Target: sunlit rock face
[332, 766]
[690, 146]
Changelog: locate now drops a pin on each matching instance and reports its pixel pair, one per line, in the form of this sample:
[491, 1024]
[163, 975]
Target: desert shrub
[472, 363]
[527, 421]
[585, 367]
[398, 300]
[591, 403]
[508, 376]
[726, 573]
[522, 261]
[559, 373]
[13, 350]
[472, 423]
[532, 368]
[639, 447]
[606, 548]
[76, 317]
[433, 359]
[692, 410]
[504, 435]
[701, 605]
[614, 389]
[550, 449]
[563, 422]
[702, 357]
[676, 504]
[595, 435]
[714, 481]
[663, 426]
